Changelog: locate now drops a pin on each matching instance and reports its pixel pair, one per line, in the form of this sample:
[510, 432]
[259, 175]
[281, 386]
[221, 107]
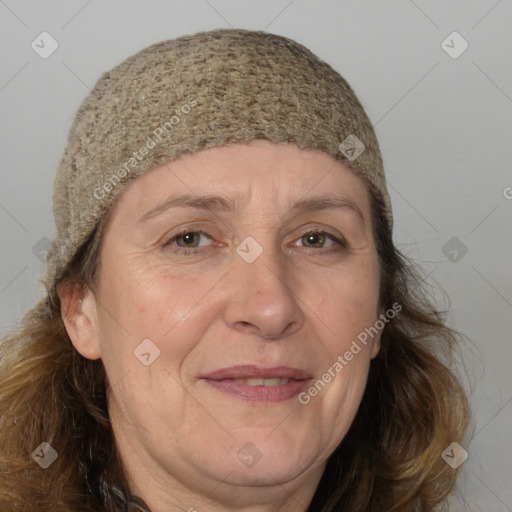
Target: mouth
[257, 384]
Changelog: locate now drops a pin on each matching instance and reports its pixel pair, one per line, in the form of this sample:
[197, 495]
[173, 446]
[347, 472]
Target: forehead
[248, 175]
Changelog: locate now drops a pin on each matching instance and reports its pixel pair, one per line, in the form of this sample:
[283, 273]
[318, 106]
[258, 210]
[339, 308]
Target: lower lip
[266, 394]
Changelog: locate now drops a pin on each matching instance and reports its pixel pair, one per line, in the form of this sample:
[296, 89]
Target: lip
[257, 372]
[225, 380]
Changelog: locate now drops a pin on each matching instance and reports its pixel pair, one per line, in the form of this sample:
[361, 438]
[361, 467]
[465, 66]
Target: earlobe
[375, 346]
[78, 310]
[376, 343]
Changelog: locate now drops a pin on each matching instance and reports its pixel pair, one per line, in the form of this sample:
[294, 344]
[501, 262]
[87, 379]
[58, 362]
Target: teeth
[263, 382]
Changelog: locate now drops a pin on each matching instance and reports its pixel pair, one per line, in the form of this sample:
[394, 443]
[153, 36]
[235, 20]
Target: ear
[375, 346]
[376, 340]
[78, 310]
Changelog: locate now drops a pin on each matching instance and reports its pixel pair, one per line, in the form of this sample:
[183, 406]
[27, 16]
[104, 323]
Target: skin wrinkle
[290, 307]
[219, 203]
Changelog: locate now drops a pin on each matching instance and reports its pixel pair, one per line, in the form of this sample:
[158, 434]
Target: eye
[187, 241]
[190, 239]
[317, 238]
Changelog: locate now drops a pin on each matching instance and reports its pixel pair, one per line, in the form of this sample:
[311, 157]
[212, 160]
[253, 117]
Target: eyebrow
[224, 204]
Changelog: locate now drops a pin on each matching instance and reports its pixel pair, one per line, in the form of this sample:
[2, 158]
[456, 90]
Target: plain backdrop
[442, 113]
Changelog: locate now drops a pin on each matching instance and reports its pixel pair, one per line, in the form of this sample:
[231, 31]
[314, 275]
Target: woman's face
[212, 293]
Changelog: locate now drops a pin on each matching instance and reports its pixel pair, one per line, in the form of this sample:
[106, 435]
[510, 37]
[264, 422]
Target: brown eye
[189, 238]
[186, 242]
[316, 239]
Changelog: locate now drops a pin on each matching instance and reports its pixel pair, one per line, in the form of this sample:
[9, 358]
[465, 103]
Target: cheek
[349, 303]
[346, 313]
[151, 304]
[141, 298]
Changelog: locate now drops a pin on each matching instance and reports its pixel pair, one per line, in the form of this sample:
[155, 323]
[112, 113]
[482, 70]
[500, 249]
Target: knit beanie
[199, 91]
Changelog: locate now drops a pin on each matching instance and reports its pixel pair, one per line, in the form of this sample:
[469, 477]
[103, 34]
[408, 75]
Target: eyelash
[195, 250]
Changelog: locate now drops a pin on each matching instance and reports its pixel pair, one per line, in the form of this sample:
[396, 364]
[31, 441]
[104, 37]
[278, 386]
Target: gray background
[444, 126]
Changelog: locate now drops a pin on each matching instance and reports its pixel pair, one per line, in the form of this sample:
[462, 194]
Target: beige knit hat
[194, 92]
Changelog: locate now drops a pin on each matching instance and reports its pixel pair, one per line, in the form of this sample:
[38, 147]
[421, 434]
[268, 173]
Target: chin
[264, 461]
[269, 474]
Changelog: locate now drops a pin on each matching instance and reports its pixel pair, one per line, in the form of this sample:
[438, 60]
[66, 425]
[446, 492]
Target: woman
[228, 325]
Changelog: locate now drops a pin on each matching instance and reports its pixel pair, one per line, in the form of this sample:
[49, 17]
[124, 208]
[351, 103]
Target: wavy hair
[413, 407]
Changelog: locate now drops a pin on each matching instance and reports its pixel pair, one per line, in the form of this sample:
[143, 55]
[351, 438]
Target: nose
[262, 301]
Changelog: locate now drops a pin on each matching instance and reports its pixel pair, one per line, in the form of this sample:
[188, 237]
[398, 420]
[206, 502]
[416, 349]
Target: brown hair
[413, 407]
